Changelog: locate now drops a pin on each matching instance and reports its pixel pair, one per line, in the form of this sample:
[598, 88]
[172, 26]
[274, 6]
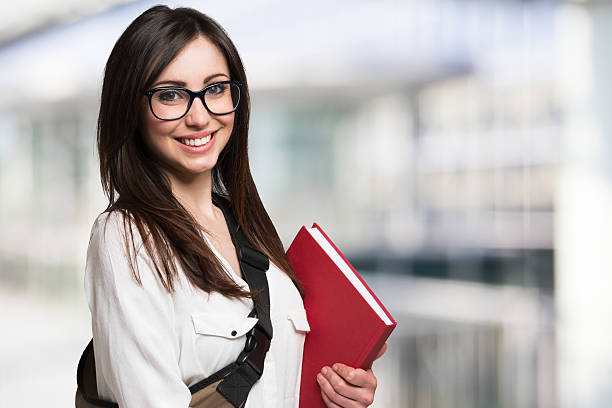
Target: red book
[348, 324]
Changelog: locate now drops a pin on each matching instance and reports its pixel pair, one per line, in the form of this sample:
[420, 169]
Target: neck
[194, 192]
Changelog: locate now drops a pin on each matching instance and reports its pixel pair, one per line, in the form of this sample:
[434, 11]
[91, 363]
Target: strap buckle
[249, 368]
[255, 349]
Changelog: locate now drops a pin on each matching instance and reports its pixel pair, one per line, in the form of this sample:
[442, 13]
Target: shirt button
[234, 332]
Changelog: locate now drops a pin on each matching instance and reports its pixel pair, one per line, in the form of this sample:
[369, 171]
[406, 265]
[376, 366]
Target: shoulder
[114, 244]
[112, 258]
[114, 229]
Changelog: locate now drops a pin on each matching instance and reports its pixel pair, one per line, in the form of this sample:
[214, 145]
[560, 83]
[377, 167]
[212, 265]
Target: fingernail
[336, 367]
[324, 370]
[319, 378]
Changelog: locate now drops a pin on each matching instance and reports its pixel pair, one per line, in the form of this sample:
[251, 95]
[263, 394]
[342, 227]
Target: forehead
[199, 59]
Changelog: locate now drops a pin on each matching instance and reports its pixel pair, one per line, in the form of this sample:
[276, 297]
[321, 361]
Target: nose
[198, 115]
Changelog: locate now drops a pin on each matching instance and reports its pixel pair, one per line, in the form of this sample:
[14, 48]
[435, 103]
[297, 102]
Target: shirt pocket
[217, 340]
[224, 325]
[299, 320]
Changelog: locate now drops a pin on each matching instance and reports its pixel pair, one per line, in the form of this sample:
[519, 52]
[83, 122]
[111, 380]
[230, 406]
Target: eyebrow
[184, 84]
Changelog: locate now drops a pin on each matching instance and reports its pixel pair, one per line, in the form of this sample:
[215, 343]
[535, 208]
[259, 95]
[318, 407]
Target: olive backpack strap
[231, 385]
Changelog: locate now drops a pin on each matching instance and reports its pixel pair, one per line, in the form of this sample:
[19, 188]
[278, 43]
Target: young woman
[169, 302]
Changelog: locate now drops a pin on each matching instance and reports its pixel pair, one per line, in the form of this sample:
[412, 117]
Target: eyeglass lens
[220, 99]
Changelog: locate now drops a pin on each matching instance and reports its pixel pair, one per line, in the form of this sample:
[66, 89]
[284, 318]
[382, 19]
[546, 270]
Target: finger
[328, 402]
[331, 385]
[359, 396]
[356, 376]
[381, 351]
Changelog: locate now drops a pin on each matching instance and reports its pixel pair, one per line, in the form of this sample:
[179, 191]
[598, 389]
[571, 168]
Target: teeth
[196, 142]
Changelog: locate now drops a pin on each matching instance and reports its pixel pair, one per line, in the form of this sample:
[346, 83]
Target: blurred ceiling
[23, 17]
[320, 47]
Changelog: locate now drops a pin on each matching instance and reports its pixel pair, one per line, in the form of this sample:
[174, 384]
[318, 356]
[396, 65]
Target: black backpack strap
[236, 386]
[86, 379]
[253, 264]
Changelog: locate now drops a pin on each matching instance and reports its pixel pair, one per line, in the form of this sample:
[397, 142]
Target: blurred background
[457, 151]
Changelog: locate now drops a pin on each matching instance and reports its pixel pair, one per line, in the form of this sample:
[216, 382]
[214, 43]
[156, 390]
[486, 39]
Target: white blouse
[151, 345]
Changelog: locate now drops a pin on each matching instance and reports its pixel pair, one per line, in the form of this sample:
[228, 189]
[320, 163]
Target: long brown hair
[138, 189]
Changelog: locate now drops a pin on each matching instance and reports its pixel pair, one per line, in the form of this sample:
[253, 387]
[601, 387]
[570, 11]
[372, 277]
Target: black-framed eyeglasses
[173, 102]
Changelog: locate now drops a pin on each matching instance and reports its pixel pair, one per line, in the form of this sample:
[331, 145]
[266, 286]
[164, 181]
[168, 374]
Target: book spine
[375, 346]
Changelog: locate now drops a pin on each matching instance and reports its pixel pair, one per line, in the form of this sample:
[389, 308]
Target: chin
[201, 169]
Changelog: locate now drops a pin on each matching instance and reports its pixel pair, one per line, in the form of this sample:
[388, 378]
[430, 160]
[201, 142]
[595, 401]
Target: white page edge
[348, 272]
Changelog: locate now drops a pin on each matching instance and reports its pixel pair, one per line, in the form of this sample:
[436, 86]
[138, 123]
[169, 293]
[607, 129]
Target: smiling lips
[197, 143]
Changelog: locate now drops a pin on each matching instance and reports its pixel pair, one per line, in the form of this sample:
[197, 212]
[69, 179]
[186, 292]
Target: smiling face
[191, 145]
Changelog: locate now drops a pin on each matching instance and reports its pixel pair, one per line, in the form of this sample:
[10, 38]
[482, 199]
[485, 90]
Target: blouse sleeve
[135, 342]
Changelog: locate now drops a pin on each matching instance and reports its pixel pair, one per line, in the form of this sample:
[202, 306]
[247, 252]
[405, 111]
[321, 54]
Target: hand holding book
[346, 386]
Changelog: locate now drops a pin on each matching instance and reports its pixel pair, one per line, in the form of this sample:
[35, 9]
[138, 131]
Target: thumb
[381, 351]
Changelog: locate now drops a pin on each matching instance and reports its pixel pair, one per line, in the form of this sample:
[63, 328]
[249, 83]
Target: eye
[170, 96]
[217, 89]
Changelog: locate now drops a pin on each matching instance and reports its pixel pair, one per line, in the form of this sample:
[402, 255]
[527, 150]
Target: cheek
[150, 125]
[228, 122]
[153, 129]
